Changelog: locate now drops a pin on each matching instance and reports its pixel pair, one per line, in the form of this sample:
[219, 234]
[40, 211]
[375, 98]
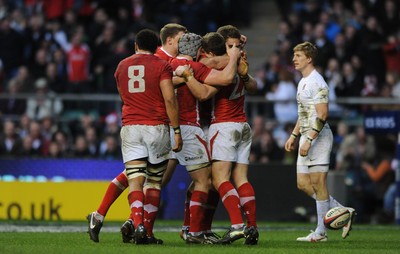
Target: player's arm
[199, 90]
[316, 127]
[226, 76]
[216, 62]
[176, 80]
[171, 105]
[319, 122]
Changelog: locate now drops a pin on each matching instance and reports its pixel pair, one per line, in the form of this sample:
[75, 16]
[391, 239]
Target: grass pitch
[274, 238]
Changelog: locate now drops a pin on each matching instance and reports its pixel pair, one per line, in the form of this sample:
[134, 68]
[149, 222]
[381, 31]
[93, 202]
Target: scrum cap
[189, 44]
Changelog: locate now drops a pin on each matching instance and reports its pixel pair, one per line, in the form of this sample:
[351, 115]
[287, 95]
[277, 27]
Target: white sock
[322, 209]
[99, 216]
[332, 201]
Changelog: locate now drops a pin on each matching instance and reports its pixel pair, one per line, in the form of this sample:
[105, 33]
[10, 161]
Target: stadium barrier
[67, 190]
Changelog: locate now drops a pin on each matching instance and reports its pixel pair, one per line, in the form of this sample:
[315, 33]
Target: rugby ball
[336, 218]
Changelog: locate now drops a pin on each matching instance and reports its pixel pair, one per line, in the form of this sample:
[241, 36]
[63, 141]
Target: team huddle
[165, 91]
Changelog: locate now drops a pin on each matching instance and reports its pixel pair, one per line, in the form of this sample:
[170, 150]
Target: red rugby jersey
[138, 80]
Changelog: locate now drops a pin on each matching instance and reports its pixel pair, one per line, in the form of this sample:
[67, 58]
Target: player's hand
[304, 148]
[289, 145]
[178, 143]
[233, 51]
[243, 67]
[243, 40]
[180, 69]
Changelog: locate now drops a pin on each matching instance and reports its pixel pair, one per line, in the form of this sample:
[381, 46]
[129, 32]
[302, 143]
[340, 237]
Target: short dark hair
[213, 43]
[147, 39]
[229, 31]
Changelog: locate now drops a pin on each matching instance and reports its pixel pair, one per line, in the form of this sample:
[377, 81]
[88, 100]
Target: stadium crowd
[56, 47]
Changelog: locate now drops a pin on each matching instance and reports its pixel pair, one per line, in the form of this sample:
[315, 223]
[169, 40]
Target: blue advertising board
[382, 121]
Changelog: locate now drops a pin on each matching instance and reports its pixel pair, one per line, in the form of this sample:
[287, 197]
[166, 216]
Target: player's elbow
[203, 97]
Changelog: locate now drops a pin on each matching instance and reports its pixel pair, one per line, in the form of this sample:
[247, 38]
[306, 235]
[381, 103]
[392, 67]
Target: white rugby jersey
[311, 90]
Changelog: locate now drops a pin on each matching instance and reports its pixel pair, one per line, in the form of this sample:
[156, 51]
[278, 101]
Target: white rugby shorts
[194, 150]
[319, 153]
[141, 141]
[230, 141]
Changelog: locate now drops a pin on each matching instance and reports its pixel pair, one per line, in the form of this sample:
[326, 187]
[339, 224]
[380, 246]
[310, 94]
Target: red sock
[114, 190]
[186, 215]
[151, 205]
[248, 202]
[230, 199]
[211, 207]
[197, 209]
[136, 200]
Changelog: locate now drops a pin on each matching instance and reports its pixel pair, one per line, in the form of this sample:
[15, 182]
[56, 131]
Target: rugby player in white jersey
[316, 139]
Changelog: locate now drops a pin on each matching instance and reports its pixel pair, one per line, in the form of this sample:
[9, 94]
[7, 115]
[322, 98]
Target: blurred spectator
[372, 41]
[23, 126]
[389, 17]
[79, 126]
[24, 79]
[110, 148]
[81, 149]
[39, 146]
[10, 142]
[54, 9]
[388, 212]
[325, 47]
[45, 103]
[340, 11]
[92, 141]
[351, 84]
[70, 22]
[64, 146]
[311, 11]
[28, 150]
[96, 26]
[11, 47]
[38, 66]
[296, 26]
[266, 150]
[112, 125]
[18, 20]
[342, 130]
[380, 174]
[391, 51]
[332, 28]
[393, 80]
[12, 106]
[34, 35]
[308, 32]
[353, 40]
[284, 96]
[355, 147]
[341, 53]
[54, 151]
[48, 128]
[286, 34]
[61, 65]
[333, 77]
[55, 81]
[78, 60]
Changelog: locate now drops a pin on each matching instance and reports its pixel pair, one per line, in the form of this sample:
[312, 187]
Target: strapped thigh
[133, 171]
[155, 172]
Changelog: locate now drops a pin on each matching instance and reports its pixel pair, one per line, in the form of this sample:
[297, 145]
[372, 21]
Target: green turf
[274, 238]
